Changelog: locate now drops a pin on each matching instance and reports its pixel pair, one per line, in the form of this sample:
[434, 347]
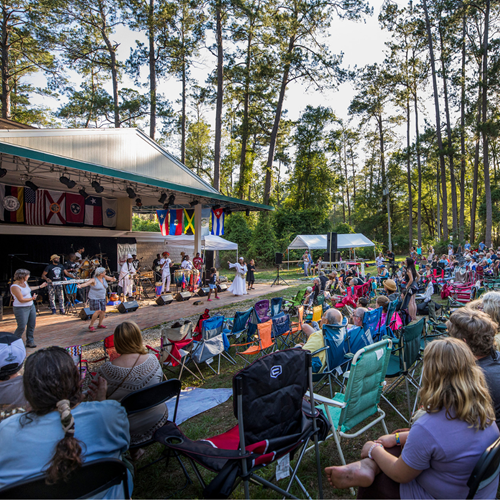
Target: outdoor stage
[69, 330]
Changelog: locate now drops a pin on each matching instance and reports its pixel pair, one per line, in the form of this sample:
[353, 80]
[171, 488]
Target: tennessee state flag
[163, 221]
[176, 216]
[75, 208]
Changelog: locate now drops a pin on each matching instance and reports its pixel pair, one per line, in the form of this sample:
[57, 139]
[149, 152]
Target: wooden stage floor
[69, 330]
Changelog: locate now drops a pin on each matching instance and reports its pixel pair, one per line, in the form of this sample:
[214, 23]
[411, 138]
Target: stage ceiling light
[31, 185]
[97, 187]
[163, 197]
[216, 207]
[165, 206]
[247, 212]
[3, 172]
[67, 182]
[171, 199]
[193, 203]
[227, 211]
[138, 202]
[83, 193]
[130, 192]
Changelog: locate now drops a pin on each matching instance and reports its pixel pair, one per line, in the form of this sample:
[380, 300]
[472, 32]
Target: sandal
[101, 326]
[92, 328]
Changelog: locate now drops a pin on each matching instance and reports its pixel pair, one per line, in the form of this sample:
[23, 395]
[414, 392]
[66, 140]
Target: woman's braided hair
[51, 382]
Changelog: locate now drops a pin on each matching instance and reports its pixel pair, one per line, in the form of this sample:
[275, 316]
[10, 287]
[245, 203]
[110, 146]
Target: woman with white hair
[491, 306]
[97, 296]
[238, 286]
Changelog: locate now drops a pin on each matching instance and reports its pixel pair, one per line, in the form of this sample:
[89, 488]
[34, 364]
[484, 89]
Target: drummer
[186, 263]
[165, 264]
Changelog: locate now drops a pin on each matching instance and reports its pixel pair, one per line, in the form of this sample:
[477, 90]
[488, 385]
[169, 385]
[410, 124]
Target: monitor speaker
[331, 243]
[203, 291]
[222, 287]
[326, 257]
[128, 307]
[86, 313]
[223, 279]
[278, 258]
[165, 299]
[183, 296]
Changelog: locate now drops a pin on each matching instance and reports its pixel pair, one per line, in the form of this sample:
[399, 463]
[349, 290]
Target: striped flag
[11, 203]
[163, 221]
[218, 222]
[34, 206]
[176, 216]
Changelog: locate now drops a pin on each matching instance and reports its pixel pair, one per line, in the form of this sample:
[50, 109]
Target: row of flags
[23, 205]
[181, 221]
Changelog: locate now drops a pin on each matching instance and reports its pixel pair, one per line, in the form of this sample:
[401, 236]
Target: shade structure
[208, 242]
[318, 241]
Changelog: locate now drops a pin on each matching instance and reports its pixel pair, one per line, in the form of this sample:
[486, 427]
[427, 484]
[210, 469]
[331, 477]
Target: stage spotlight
[3, 172]
[130, 192]
[171, 199]
[216, 207]
[83, 193]
[227, 211]
[67, 182]
[247, 212]
[163, 197]
[138, 202]
[31, 185]
[165, 206]
[97, 187]
[193, 203]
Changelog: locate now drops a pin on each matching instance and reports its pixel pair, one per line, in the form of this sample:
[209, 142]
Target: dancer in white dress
[238, 286]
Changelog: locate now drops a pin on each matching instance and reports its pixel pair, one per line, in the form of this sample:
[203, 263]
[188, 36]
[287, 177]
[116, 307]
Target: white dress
[238, 286]
[126, 279]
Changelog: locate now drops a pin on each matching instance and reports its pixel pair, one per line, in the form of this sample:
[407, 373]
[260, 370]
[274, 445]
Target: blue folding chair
[371, 321]
[357, 338]
[239, 324]
[276, 304]
[282, 327]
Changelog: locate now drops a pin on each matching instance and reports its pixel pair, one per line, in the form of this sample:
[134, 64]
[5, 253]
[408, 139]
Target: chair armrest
[320, 350]
[349, 355]
[326, 401]
[152, 349]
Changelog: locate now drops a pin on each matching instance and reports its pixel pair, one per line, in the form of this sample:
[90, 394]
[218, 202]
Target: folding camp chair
[404, 361]
[273, 422]
[239, 324]
[296, 326]
[264, 341]
[261, 309]
[362, 394]
[387, 329]
[86, 481]
[486, 470]
[276, 303]
[281, 331]
[357, 338]
[316, 314]
[371, 321]
[293, 304]
[212, 343]
[76, 352]
[108, 345]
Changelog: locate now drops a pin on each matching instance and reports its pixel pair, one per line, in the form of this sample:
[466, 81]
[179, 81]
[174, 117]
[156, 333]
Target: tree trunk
[385, 184]
[220, 90]
[462, 133]
[419, 167]
[277, 119]
[152, 72]
[347, 183]
[454, 203]
[183, 117]
[6, 90]
[438, 121]
[486, 162]
[408, 167]
[475, 179]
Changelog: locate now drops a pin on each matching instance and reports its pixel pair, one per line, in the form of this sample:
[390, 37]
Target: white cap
[129, 256]
[12, 353]
[241, 258]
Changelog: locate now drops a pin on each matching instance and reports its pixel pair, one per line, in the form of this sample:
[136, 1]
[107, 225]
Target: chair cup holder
[173, 440]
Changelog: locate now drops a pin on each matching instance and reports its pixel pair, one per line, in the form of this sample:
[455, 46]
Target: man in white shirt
[165, 264]
[126, 278]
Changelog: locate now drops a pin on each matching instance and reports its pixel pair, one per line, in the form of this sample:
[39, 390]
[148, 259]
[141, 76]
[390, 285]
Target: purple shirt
[446, 452]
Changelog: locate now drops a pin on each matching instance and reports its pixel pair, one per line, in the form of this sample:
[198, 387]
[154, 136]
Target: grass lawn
[159, 481]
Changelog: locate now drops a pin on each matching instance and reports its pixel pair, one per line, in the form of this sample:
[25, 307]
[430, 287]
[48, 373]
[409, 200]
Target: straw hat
[390, 285]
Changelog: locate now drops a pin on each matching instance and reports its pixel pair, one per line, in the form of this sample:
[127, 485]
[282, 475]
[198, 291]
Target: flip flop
[101, 326]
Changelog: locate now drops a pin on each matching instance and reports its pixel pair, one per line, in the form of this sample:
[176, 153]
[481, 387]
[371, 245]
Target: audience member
[12, 356]
[478, 331]
[358, 315]
[60, 432]
[491, 306]
[323, 280]
[443, 445]
[391, 289]
[134, 369]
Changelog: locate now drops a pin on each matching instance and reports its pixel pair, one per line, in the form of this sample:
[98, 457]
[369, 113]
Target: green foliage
[343, 228]
[236, 230]
[263, 245]
[142, 223]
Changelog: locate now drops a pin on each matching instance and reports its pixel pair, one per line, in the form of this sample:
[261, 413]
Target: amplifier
[222, 287]
[86, 313]
[165, 299]
[223, 279]
[183, 296]
[128, 307]
[203, 292]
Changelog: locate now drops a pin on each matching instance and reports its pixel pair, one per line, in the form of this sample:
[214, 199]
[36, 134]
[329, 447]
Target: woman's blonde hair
[383, 301]
[128, 339]
[452, 380]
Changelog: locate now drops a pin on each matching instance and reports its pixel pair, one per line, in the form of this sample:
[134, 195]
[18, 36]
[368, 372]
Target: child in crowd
[251, 275]
[212, 284]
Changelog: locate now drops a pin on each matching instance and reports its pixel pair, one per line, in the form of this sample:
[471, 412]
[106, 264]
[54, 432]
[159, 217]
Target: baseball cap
[12, 354]
[54, 256]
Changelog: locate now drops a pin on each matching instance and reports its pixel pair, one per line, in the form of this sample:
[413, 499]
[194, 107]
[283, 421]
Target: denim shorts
[212, 287]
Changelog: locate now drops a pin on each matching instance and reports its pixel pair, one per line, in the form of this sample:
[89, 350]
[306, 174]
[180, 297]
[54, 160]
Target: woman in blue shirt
[60, 432]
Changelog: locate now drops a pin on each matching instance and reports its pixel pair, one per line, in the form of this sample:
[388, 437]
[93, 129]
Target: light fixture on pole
[67, 182]
[31, 185]
[138, 202]
[130, 192]
[171, 199]
[97, 187]
[162, 198]
[83, 193]
[193, 203]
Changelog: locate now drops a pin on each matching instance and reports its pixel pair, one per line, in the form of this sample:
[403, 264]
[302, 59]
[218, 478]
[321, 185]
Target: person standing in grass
[212, 284]
[251, 275]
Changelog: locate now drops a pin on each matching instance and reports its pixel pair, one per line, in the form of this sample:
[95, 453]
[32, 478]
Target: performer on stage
[136, 262]
[198, 262]
[186, 263]
[79, 254]
[125, 279]
[238, 286]
[97, 296]
[165, 264]
[24, 306]
[53, 273]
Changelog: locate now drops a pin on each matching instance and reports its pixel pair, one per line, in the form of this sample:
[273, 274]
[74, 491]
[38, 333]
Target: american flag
[34, 207]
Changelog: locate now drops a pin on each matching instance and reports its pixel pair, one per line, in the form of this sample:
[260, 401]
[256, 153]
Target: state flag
[176, 221]
[93, 211]
[55, 207]
[11, 203]
[75, 208]
[218, 222]
[163, 221]
[109, 211]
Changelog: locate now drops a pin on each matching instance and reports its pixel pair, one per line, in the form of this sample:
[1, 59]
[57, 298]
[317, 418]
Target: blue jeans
[25, 317]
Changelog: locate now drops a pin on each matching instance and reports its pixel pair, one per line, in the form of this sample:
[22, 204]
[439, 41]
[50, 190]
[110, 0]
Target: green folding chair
[361, 398]
[292, 305]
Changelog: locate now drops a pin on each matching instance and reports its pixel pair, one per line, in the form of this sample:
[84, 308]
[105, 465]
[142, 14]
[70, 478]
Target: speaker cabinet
[183, 296]
[203, 291]
[223, 279]
[278, 258]
[331, 242]
[86, 313]
[128, 307]
[221, 287]
[165, 299]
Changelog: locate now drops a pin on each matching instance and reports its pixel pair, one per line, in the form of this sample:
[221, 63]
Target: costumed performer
[126, 277]
[238, 286]
[165, 264]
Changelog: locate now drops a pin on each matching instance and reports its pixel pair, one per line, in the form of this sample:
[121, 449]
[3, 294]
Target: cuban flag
[218, 222]
[163, 221]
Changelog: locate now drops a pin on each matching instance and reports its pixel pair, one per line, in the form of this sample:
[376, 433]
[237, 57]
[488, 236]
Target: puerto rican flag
[93, 211]
[163, 221]
[218, 222]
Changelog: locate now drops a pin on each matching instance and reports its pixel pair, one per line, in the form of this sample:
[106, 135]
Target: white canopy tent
[318, 241]
[208, 242]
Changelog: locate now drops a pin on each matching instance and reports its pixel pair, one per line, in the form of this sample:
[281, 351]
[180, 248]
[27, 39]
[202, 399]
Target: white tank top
[26, 293]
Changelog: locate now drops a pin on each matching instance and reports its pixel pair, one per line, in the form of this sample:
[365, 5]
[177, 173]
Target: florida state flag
[55, 207]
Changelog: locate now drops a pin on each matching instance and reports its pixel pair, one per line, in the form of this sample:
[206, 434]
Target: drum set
[88, 266]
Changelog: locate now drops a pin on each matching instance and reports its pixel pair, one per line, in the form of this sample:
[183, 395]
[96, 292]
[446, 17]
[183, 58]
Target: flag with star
[93, 211]
[163, 221]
